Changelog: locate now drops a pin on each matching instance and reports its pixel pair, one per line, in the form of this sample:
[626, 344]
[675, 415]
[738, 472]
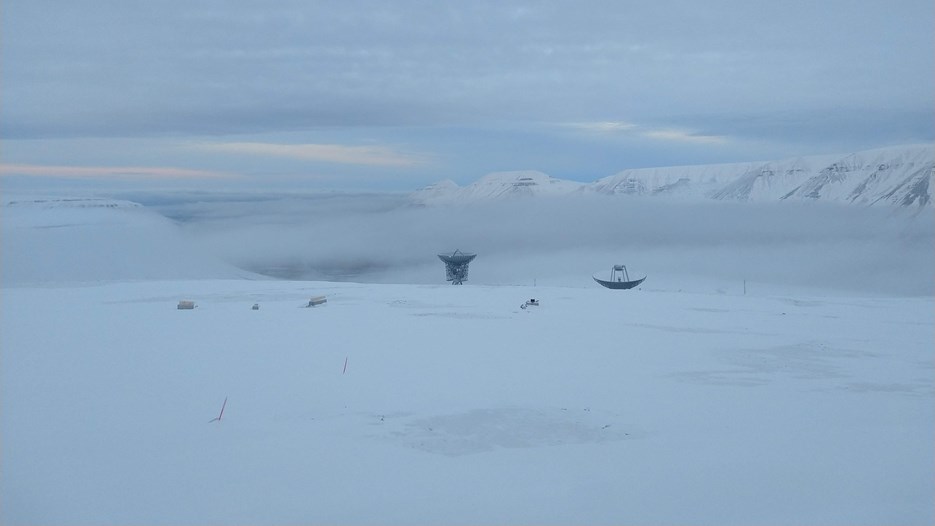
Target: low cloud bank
[379, 238]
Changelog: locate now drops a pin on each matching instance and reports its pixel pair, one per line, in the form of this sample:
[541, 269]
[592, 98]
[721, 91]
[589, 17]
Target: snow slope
[683, 181]
[457, 406]
[894, 176]
[56, 240]
[900, 176]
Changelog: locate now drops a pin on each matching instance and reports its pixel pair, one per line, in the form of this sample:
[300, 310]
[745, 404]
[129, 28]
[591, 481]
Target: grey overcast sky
[395, 95]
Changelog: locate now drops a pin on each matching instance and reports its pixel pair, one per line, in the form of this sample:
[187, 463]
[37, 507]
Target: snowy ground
[683, 402]
[456, 406]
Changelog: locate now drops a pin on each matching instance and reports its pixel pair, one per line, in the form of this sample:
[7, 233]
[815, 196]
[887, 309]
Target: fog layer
[707, 246]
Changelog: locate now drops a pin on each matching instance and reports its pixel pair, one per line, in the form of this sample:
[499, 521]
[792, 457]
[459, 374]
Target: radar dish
[456, 266]
[619, 279]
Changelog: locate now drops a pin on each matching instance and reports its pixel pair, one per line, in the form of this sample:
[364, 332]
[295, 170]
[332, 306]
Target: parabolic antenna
[619, 278]
[456, 266]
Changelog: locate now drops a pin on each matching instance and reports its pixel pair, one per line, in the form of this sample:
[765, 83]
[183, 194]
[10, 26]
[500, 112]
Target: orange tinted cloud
[329, 153]
[683, 136]
[150, 172]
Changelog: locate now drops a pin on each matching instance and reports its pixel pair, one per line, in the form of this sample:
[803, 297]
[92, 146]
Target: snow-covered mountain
[679, 181]
[896, 176]
[900, 176]
[497, 185]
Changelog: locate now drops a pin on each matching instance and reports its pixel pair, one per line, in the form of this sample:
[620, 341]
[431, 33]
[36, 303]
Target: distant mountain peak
[70, 202]
[496, 185]
[897, 176]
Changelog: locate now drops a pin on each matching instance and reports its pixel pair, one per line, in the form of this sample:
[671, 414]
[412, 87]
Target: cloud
[427, 74]
[148, 172]
[684, 136]
[631, 129]
[328, 153]
[603, 127]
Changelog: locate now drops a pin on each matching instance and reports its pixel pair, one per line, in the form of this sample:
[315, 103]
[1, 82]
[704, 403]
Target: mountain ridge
[896, 176]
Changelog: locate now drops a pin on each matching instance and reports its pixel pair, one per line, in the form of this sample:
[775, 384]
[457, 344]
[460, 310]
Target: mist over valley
[384, 238]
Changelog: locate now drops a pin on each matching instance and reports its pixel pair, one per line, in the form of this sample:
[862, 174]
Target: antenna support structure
[456, 266]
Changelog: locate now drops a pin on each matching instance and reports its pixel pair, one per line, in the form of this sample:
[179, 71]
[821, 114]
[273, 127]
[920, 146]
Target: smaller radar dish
[619, 279]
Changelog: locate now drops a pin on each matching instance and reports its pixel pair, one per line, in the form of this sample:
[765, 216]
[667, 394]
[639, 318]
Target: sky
[360, 95]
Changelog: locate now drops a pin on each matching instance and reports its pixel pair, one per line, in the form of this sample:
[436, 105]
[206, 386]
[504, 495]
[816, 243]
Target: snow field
[457, 406]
